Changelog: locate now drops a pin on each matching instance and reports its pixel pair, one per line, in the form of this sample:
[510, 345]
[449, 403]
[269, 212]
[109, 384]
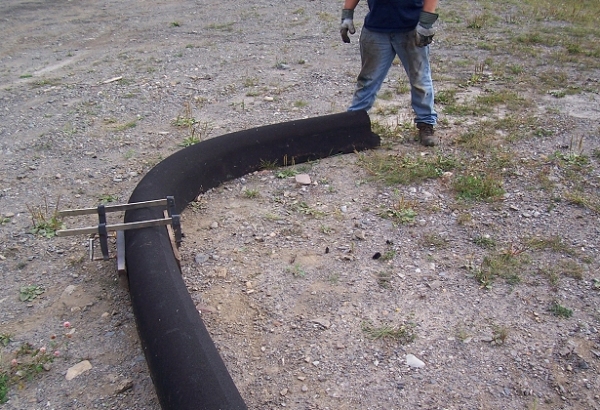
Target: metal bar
[102, 231]
[121, 268]
[113, 208]
[176, 220]
[115, 227]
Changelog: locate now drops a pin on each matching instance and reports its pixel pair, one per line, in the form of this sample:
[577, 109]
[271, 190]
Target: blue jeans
[377, 51]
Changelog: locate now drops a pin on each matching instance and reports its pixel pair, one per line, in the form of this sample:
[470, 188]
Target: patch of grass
[251, 193]
[571, 159]
[30, 292]
[327, 230]
[300, 104]
[269, 165]
[5, 339]
[484, 241]
[560, 311]
[221, 26]
[397, 131]
[184, 121]
[46, 82]
[407, 169]
[570, 268]
[504, 265]
[108, 198]
[553, 243]
[478, 21]
[297, 271]
[583, 200]
[175, 24]
[125, 125]
[45, 221]
[500, 334]
[402, 212]
[478, 187]
[305, 209]
[403, 334]
[384, 279]
[445, 97]
[388, 255]
[286, 173]
[190, 140]
[434, 240]
[386, 95]
[3, 387]
[250, 82]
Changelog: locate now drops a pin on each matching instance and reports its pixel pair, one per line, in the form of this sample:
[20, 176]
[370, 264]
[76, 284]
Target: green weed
[403, 334]
[407, 169]
[560, 311]
[45, 222]
[478, 188]
[30, 292]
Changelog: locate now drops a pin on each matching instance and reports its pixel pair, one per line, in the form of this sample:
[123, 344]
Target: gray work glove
[425, 31]
[347, 24]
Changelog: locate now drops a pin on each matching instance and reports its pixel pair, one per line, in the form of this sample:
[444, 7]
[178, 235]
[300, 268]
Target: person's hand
[424, 32]
[424, 36]
[347, 24]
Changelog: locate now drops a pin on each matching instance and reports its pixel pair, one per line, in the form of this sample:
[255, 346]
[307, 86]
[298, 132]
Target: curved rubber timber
[187, 371]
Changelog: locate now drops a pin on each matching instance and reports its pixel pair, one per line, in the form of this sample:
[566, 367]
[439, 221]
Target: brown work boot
[426, 134]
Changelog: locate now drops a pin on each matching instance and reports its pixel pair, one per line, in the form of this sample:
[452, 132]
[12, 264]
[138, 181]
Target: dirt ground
[317, 295]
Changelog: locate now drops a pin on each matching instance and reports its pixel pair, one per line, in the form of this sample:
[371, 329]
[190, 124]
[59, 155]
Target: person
[395, 27]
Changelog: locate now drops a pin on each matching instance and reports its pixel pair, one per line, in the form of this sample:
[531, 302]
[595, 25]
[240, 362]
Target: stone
[436, 284]
[322, 322]
[414, 361]
[221, 272]
[123, 386]
[78, 369]
[200, 258]
[303, 179]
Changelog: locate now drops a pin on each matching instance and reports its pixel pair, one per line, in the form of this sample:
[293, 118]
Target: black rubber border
[186, 368]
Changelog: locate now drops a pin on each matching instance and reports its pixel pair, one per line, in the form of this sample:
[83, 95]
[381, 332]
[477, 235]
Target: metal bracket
[103, 230]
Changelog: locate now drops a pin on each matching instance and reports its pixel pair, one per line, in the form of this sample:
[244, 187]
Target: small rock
[78, 369]
[413, 361]
[436, 284]
[214, 225]
[200, 258]
[304, 388]
[283, 392]
[123, 386]
[269, 99]
[221, 272]
[303, 179]
[322, 322]
[360, 235]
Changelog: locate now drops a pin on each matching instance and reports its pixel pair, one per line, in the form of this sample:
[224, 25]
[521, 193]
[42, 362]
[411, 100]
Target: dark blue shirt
[390, 16]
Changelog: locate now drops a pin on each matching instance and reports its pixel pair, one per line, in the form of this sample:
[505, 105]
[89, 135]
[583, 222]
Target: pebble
[201, 258]
[303, 179]
[322, 322]
[414, 361]
[78, 369]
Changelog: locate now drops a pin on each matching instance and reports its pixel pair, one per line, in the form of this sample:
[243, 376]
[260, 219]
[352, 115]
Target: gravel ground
[317, 296]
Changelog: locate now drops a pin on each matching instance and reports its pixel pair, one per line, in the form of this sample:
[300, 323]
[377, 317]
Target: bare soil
[316, 295]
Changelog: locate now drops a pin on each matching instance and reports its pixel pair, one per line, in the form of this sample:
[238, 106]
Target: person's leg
[416, 64]
[376, 55]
